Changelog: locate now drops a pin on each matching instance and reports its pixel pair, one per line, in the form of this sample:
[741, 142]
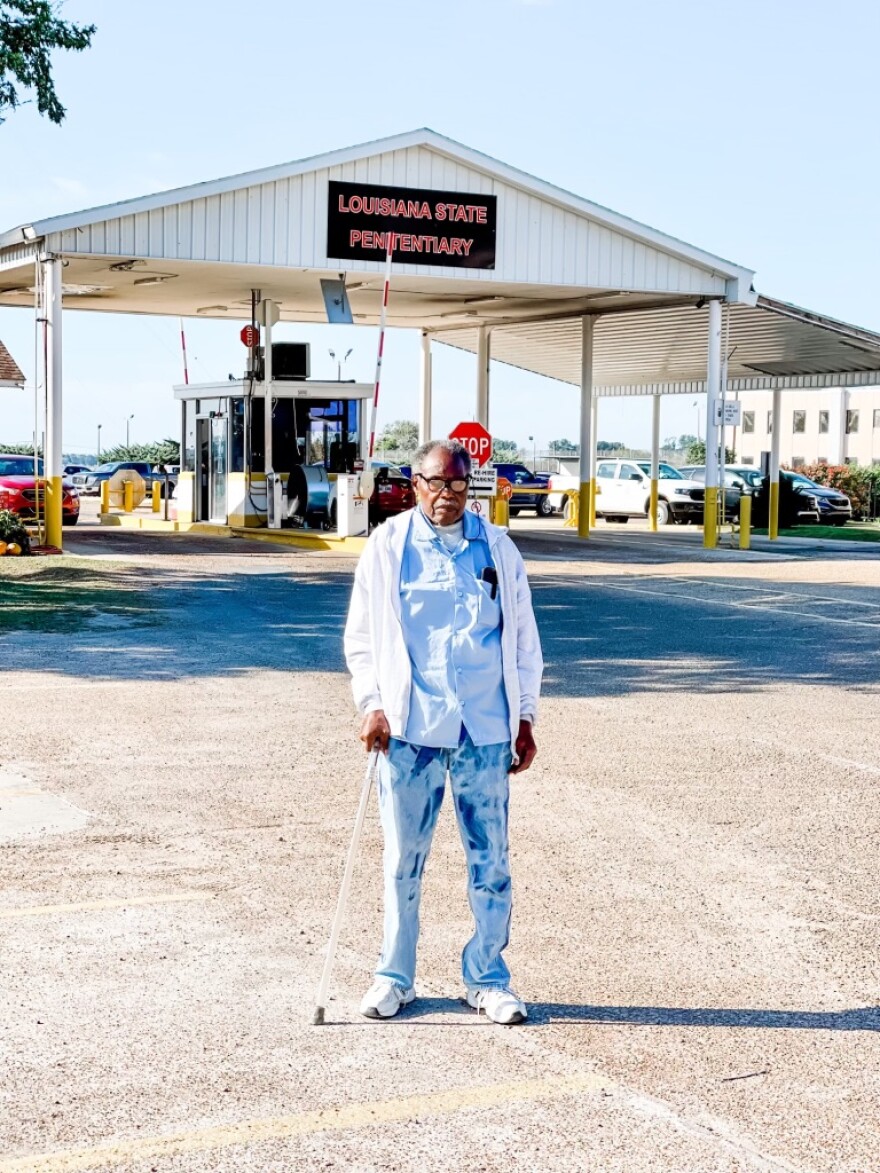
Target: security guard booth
[318, 432]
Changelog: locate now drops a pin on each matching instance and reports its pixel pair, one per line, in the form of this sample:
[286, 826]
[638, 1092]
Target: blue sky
[750, 130]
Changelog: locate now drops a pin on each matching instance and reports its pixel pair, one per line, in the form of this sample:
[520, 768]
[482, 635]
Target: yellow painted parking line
[97, 905]
[18, 793]
[348, 1116]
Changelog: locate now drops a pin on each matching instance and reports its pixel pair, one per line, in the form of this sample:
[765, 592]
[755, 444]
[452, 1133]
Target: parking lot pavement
[694, 857]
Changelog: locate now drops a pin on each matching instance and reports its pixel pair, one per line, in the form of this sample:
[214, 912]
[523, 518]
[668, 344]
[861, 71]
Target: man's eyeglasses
[437, 484]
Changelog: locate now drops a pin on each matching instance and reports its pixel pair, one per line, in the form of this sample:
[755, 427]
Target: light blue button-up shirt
[452, 631]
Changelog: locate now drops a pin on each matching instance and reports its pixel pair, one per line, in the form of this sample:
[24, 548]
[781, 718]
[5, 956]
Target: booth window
[824, 417]
[236, 435]
[877, 417]
[798, 422]
[748, 421]
[188, 448]
[852, 422]
[769, 423]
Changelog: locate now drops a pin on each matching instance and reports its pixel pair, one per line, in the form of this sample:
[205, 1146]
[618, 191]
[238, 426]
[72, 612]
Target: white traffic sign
[484, 481]
[732, 413]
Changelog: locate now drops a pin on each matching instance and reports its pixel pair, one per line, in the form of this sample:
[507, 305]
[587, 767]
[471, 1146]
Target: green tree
[506, 452]
[29, 32]
[696, 453]
[400, 437]
[562, 447]
[608, 445]
[26, 449]
[159, 452]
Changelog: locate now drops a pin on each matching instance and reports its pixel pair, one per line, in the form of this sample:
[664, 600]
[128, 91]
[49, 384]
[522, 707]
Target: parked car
[90, 482]
[21, 491]
[734, 483]
[393, 493]
[71, 469]
[522, 479]
[835, 508]
[623, 490]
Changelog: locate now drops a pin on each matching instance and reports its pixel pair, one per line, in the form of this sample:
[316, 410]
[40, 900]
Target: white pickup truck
[623, 490]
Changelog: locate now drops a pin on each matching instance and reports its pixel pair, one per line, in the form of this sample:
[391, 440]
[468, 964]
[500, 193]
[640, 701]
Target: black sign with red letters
[421, 226]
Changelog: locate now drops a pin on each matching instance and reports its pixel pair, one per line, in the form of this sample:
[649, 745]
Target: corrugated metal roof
[664, 350]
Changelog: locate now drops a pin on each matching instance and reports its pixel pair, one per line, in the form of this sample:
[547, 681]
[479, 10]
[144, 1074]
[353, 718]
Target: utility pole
[99, 444]
[127, 433]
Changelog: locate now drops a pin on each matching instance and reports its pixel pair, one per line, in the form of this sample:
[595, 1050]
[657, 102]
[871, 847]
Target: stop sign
[476, 439]
[250, 336]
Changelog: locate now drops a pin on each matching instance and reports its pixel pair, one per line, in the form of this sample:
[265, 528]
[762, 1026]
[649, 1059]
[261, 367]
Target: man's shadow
[456, 1013]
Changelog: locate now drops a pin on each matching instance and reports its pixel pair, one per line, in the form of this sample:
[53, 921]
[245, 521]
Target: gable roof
[10, 372]
[425, 138]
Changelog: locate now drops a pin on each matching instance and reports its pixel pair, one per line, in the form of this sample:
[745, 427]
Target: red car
[393, 493]
[19, 487]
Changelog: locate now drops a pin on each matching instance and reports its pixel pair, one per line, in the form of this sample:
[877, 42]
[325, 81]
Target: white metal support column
[426, 388]
[587, 440]
[775, 437]
[54, 470]
[594, 436]
[483, 355]
[713, 386]
[268, 384]
[655, 462]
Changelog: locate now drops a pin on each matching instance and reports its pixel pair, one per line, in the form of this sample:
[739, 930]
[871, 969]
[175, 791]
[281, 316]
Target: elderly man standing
[446, 665]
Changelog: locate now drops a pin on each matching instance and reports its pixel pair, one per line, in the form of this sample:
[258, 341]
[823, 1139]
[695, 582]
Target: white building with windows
[837, 425]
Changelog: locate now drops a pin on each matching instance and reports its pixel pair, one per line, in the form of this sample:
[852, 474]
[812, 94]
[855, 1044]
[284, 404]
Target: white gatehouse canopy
[476, 243]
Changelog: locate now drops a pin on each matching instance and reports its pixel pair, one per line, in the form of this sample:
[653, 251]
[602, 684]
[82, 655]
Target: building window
[824, 416]
[877, 417]
[769, 423]
[798, 422]
[748, 421]
[748, 460]
[821, 460]
[797, 462]
[852, 422]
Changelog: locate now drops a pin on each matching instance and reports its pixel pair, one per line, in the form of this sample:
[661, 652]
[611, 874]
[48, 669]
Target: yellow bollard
[583, 521]
[745, 521]
[594, 493]
[652, 511]
[500, 511]
[570, 510]
[710, 519]
[128, 496]
[157, 495]
[105, 496]
[773, 526]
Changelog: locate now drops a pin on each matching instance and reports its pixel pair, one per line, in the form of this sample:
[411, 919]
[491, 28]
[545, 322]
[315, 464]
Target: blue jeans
[412, 780]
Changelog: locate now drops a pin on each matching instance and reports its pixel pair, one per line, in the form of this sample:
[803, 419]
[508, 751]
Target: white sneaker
[384, 998]
[501, 1005]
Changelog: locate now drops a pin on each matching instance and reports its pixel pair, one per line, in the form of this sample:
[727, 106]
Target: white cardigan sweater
[375, 650]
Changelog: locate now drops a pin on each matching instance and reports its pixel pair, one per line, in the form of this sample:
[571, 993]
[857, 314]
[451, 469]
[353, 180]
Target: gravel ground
[694, 857]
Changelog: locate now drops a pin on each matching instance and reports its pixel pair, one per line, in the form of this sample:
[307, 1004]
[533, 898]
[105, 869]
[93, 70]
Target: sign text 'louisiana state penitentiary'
[422, 226]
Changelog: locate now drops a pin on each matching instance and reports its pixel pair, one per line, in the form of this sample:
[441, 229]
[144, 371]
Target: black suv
[523, 480]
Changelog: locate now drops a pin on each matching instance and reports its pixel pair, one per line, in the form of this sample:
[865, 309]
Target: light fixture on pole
[534, 453]
[339, 362]
[99, 443]
[127, 434]
[696, 404]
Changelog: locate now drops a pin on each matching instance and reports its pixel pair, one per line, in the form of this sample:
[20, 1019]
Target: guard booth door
[213, 459]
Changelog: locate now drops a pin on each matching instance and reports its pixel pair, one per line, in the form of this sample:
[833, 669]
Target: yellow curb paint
[349, 1116]
[97, 905]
